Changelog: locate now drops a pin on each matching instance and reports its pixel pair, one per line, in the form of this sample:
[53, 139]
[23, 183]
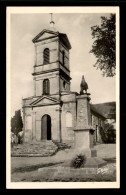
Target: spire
[52, 28]
[52, 22]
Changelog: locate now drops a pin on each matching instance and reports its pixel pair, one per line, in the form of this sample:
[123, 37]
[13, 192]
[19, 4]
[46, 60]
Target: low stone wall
[60, 171]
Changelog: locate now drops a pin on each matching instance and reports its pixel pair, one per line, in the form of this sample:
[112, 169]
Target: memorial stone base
[84, 146]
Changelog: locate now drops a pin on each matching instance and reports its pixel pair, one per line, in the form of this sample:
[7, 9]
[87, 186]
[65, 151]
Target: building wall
[66, 59]
[68, 122]
[32, 122]
[53, 80]
[53, 46]
[27, 128]
[56, 83]
[97, 122]
[49, 70]
[67, 84]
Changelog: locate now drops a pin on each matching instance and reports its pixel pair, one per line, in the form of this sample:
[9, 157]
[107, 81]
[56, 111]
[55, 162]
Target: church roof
[65, 40]
[108, 109]
[53, 33]
[96, 111]
[44, 100]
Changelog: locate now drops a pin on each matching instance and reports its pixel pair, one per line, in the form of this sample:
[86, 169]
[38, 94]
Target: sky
[77, 26]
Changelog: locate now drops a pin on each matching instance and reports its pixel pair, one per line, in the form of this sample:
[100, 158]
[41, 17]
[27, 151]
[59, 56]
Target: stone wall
[97, 122]
[56, 80]
[66, 59]
[53, 46]
[68, 124]
[53, 80]
[35, 115]
[67, 84]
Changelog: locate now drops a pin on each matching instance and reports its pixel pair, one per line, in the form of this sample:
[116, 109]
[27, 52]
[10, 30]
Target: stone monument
[84, 130]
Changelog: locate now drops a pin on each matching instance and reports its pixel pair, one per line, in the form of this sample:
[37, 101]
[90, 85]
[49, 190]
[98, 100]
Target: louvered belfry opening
[46, 56]
[46, 87]
[63, 57]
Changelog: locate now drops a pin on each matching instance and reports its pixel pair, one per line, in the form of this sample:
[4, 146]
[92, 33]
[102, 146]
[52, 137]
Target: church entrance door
[46, 127]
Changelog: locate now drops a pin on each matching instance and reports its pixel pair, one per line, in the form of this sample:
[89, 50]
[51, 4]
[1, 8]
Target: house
[108, 110]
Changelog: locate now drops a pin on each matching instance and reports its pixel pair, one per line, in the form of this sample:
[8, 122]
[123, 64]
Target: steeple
[52, 23]
[51, 62]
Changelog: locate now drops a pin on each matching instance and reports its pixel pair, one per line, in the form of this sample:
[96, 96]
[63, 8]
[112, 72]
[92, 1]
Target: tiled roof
[93, 109]
[108, 109]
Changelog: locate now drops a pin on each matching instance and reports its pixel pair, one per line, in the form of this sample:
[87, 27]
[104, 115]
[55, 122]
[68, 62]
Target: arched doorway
[46, 127]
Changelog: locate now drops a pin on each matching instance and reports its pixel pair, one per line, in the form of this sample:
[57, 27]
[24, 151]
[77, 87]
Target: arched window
[64, 84]
[46, 56]
[46, 87]
[68, 119]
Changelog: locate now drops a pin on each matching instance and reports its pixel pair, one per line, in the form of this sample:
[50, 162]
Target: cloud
[81, 19]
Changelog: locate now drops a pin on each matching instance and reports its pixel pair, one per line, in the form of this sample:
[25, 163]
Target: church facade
[54, 112]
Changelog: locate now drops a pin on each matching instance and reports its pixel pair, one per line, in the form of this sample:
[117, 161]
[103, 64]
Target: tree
[16, 122]
[104, 45]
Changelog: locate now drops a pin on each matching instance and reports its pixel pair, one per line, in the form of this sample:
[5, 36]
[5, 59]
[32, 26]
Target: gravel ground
[106, 150]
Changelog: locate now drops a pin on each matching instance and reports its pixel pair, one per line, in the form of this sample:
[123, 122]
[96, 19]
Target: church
[54, 112]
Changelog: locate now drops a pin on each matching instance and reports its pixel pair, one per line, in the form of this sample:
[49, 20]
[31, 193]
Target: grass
[33, 167]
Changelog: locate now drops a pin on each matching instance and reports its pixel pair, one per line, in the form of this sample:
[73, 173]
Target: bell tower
[51, 67]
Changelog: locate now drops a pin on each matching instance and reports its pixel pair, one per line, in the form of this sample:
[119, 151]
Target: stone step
[44, 148]
[61, 146]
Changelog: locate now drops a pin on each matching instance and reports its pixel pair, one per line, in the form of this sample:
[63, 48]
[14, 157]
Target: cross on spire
[51, 16]
[52, 22]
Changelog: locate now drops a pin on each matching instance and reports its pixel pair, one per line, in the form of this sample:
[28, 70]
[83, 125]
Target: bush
[111, 136]
[103, 135]
[108, 135]
[20, 137]
[79, 161]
